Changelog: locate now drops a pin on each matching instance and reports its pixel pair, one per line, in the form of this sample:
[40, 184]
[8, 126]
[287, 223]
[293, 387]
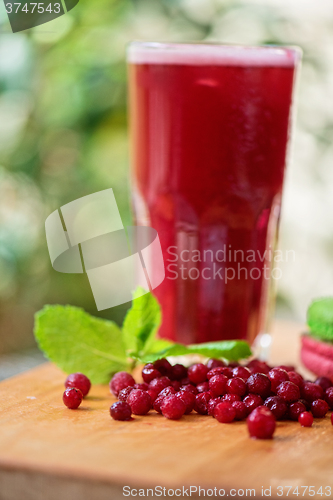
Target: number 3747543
[30, 8]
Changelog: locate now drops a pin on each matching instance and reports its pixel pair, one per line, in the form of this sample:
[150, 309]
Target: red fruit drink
[209, 127]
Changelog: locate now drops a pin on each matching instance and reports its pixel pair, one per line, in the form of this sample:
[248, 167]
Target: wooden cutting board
[49, 452]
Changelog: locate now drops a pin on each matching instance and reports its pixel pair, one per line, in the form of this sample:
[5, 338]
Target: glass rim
[207, 53]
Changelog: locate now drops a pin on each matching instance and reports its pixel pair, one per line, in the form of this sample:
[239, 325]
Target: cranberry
[324, 383]
[295, 409]
[224, 412]
[203, 387]
[139, 401]
[306, 404]
[149, 373]
[185, 381]
[277, 376]
[226, 371]
[286, 368]
[72, 398]
[188, 398]
[211, 405]
[176, 385]
[240, 409]
[319, 408]
[277, 406]
[79, 381]
[197, 373]
[168, 391]
[256, 366]
[163, 366]
[119, 381]
[241, 372]
[201, 403]
[143, 386]
[236, 386]
[329, 397]
[178, 372]
[233, 364]
[217, 385]
[289, 392]
[173, 407]
[153, 394]
[258, 383]
[296, 378]
[306, 419]
[121, 411]
[124, 393]
[311, 391]
[231, 398]
[189, 388]
[214, 363]
[261, 423]
[252, 401]
[332, 418]
[160, 383]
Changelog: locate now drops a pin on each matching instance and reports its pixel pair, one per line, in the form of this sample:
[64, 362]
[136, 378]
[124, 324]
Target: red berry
[306, 419]
[277, 376]
[332, 418]
[277, 406]
[218, 385]
[286, 368]
[237, 386]
[153, 394]
[149, 373]
[295, 409]
[256, 366]
[296, 378]
[188, 398]
[231, 398]
[72, 398]
[211, 405]
[143, 386]
[219, 370]
[198, 373]
[203, 387]
[324, 383]
[168, 391]
[241, 372]
[201, 403]
[176, 385]
[189, 388]
[224, 412]
[329, 397]
[289, 392]
[79, 381]
[139, 401]
[311, 391]
[252, 401]
[261, 423]
[178, 372]
[163, 366]
[173, 407]
[240, 409]
[258, 383]
[124, 393]
[214, 363]
[119, 381]
[159, 383]
[319, 408]
[121, 411]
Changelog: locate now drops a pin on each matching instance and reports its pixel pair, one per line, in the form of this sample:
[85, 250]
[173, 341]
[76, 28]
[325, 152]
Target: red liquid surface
[208, 158]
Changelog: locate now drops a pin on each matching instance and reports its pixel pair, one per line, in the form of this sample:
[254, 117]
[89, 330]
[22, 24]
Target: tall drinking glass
[210, 126]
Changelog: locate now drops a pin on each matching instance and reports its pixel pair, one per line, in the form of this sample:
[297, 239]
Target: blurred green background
[63, 134]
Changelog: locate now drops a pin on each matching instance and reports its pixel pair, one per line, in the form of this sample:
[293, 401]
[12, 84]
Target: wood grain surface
[49, 452]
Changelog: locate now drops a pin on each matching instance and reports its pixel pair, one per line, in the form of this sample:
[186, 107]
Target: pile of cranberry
[255, 392]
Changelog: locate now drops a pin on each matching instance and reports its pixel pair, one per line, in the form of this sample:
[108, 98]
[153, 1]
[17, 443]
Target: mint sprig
[78, 342]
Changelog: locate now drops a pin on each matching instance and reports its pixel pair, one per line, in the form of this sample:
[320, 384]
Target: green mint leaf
[232, 350]
[78, 342]
[320, 318]
[141, 323]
